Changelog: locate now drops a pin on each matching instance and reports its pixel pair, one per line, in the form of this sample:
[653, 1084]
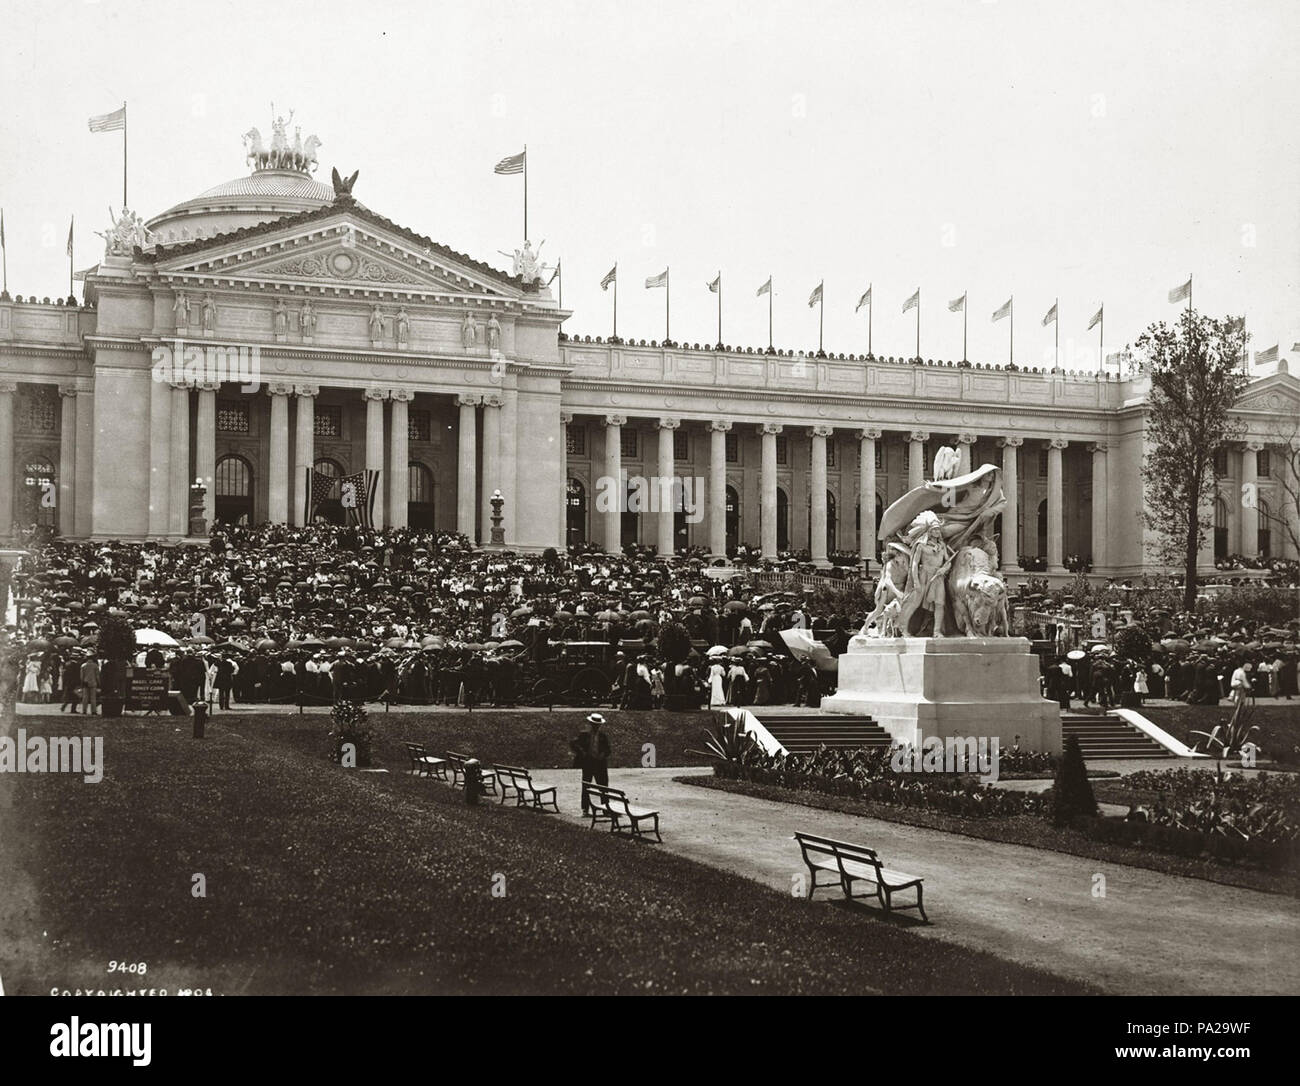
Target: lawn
[1279, 726]
[323, 880]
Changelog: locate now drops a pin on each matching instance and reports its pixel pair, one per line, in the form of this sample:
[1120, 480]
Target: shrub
[350, 724]
[1072, 794]
[1133, 643]
[674, 643]
[116, 638]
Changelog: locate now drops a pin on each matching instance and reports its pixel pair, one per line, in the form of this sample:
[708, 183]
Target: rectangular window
[830, 452]
[1262, 467]
[907, 455]
[1221, 461]
[1042, 463]
[329, 420]
[681, 445]
[627, 443]
[418, 426]
[575, 439]
[733, 447]
[36, 412]
[880, 456]
[232, 416]
[782, 449]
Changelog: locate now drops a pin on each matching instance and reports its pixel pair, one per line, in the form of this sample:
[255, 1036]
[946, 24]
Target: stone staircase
[801, 733]
[1103, 736]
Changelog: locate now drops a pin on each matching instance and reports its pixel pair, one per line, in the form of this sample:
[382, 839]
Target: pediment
[1277, 393]
[344, 252]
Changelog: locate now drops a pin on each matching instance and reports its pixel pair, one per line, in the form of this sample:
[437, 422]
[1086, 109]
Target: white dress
[717, 697]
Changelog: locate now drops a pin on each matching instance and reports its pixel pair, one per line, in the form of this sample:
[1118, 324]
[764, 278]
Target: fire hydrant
[200, 718]
[473, 781]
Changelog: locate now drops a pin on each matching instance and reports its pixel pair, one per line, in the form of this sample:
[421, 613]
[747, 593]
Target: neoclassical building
[273, 324]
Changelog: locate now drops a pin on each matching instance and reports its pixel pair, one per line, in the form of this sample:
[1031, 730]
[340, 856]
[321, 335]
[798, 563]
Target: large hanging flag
[109, 122]
[1002, 311]
[611, 276]
[816, 295]
[864, 300]
[660, 280]
[1182, 293]
[357, 493]
[716, 286]
[1096, 319]
[766, 288]
[913, 302]
[957, 305]
[319, 486]
[1050, 316]
[1264, 357]
[512, 163]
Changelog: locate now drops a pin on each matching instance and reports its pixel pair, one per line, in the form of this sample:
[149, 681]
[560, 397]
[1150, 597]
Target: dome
[245, 201]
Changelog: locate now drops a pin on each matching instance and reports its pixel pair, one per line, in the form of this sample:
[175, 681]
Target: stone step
[1103, 737]
[802, 733]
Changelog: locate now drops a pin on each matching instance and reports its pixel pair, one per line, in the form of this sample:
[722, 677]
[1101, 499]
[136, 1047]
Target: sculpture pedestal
[917, 687]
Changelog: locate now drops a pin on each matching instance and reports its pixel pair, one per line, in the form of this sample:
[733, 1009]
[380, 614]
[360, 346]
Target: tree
[1196, 378]
[1071, 793]
[1283, 515]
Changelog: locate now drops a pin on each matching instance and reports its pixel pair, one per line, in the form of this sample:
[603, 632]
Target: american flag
[358, 496]
[1181, 294]
[611, 276]
[319, 486]
[1050, 316]
[1096, 319]
[511, 164]
[957, 305]
[815, 296]
[109, 122]
[660, 280]
[864, 300]
[1261, 357]
[716, 285]
[913, 302]
[766, 288]
[1003, 310]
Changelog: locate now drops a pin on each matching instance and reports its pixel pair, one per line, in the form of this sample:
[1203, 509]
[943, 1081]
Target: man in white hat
[591, 755]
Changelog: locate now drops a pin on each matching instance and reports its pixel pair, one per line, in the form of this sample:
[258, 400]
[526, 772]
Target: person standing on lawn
[591, 755]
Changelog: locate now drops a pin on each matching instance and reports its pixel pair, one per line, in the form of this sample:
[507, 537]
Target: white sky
[1093, 151]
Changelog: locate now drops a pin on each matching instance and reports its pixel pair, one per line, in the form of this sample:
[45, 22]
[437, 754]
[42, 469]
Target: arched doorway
[733, 519]
[1042, 528]
[831, 538]
[233, 483]
[419, 497]
[1220, 529]
[782, 520]
[38, 496]
[1265, 534]
[329, 511]
[575, 526]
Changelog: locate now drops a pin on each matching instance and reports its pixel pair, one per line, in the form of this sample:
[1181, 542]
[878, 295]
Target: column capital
[967, 439]
[1010, 442]
[719, 426]
[770, 428]
[208, 386]
[919, 435]
[492, 399]
[306, 391]
[1057, 443]
[1097, 448]
[468, 399]
[870, 433]
[668, 423]
[615, 420]
[67, 390]
[279, 388]
[379, 394]
[1253, 446]
[566, 417]
[401, 395]
[8, 386]
[822, 430]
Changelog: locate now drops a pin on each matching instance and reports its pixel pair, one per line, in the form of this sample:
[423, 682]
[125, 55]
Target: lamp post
[498, 539]
[198, 492]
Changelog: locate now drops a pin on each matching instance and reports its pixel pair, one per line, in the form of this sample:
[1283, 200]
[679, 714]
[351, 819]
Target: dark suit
[593, 760]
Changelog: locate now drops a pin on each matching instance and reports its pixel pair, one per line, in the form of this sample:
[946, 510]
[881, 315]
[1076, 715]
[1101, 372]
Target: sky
[1094, 152]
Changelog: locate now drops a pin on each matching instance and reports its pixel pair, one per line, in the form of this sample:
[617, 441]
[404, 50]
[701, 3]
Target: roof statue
[343, 187]
[528, 265]
[300, 155]
[125, 235]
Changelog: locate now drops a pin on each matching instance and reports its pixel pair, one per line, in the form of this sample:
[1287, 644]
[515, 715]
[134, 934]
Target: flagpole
[71, 225]
[525, 192]
[668, 305]
[1101, 337]
[821, 315]
[1056, 357]
[1011, 348]
[770, 289]
[965, 308]
[615, 300]
[918, 324]
[559, 271]
[4, 257]
[124, 203]
[719, 307]
[871, 308]
[1189, 295]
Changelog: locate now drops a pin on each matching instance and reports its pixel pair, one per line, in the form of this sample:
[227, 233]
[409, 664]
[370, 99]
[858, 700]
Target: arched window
[576, 517]
[1220, 529]
[330, 510]
[1265, 532]
[419, 497]
[733, 519]
[233, 485]
[39, 495]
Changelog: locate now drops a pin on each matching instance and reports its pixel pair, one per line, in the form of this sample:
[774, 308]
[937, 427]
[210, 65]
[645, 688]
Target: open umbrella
[718, 650]
[149, 636]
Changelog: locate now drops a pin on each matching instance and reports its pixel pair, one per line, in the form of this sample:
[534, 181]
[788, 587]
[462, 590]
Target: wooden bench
[425, 764]
[611, 804]
[457, 762]
[849, 863]
[516, 779]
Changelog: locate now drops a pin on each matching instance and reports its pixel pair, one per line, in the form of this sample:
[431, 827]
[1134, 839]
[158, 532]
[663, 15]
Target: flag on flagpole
[1003, 310]
[1262, 357]
[71, 223]
[1096, 319]
[109, 122]
[816, 295]
[716, 285]
[511, 164]
[610, 277]
[1050, 316]
[660, 280]
[913, 301]
[1181, 294]
[554, 273]
[864, 300]
[957, 305]
[766, 288]
[358, 496]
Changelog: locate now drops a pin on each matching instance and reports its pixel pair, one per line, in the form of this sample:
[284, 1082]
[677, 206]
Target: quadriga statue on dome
[943, 567]
[127, 232]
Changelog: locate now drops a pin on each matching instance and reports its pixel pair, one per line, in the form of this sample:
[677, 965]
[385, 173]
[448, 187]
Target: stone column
[205, 446]
[1100, 555]
[508, 459]
[718, 488]
[663, 490]
[491, 460]
[399, 459]
[817, 470]
[916, 458]
[1009, 544]
[181, 475]
[375, 398]
[867, 492]
[67, 493]
[565, 419]
[277, 506]
[964, 443]
[611, 517]
[1247, 502]
[466, 476]
[304, 449]
[85, 461]
[160, 457]
[1055, 506]
[7, 390]
[767, 506]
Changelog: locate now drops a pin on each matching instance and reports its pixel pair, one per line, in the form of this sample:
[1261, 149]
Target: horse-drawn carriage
[574, 673]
